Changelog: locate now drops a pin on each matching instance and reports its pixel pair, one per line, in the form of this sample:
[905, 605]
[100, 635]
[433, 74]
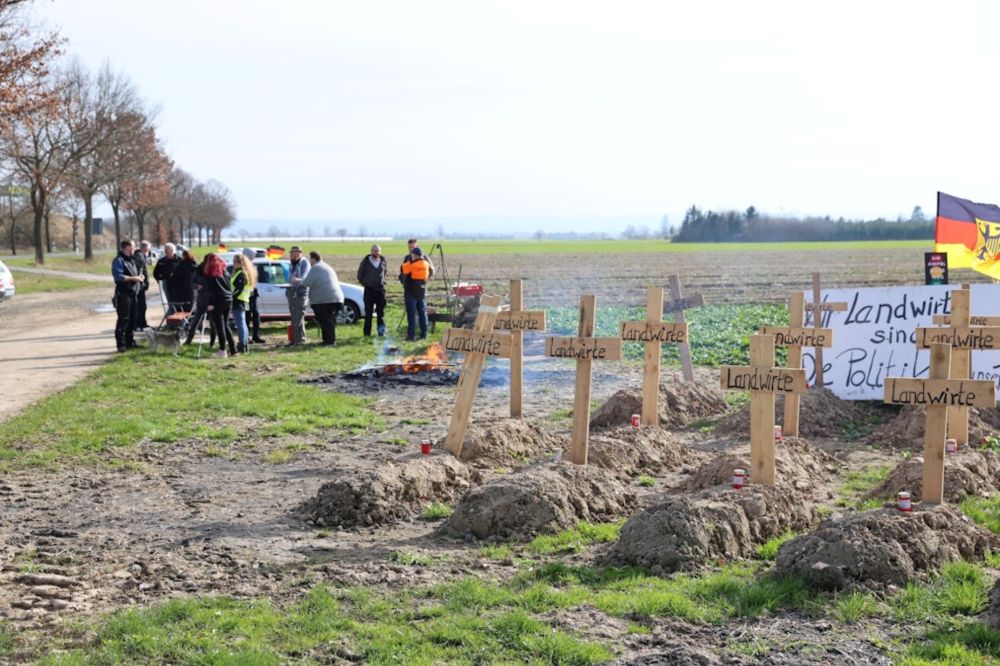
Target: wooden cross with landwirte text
[795, 338]
[585, 349]
[517, 320]
[818, 307]
[938, 393]
[476, 344]
[963, 339]
[763, 381]
[961, 360]
[677, 305]
[655, 333]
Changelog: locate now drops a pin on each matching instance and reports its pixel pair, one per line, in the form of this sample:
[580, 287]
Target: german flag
[970, 233]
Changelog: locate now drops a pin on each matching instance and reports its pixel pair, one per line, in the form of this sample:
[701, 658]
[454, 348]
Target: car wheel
[349, 314]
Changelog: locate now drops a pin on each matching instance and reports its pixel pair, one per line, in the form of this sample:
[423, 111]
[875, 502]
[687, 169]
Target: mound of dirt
[906, 431]
[991, 616]
[686, 532]
[821, 414]
[969, 473]
[680, 403]
[507, 442]
[882, 547]
[627, 452]
[390, 492]
[798, 464]
[538, 499]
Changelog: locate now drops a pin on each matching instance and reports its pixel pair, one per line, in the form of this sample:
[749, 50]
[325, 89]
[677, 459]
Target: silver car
[7, 283]
[272, 281]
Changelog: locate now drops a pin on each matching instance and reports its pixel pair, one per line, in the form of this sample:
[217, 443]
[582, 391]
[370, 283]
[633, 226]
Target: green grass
[32, 283]
[118, 408]
[495, 552]
[436, 511]
[446, 626]
[985, 512]
[646, 481]
[855, 606]
[575, 539]
[769, 549]
[101, 265]
[857, 483]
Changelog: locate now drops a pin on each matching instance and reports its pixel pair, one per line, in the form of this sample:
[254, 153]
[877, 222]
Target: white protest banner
[876, 338]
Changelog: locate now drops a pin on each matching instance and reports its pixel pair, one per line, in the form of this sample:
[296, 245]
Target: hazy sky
[310, 109]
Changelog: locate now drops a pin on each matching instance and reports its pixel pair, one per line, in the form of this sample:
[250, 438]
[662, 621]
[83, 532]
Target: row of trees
[69, 137]
[751, 227]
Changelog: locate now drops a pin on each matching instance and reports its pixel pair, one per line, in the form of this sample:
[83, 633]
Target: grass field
[31, 283]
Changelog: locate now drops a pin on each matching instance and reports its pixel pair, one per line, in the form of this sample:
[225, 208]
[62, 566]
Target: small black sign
[98, 228]
[935, 268]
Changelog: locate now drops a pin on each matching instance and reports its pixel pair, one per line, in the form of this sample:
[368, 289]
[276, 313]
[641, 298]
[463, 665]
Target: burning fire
[432, 360]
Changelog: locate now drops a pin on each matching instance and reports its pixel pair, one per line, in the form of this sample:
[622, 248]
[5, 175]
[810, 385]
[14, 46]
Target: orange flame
[435, 358]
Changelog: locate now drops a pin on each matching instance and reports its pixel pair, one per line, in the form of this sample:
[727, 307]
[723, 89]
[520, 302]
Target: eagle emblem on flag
[988, 242]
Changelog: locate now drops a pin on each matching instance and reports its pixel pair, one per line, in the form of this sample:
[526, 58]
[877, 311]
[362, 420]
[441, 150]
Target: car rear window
[272, 274]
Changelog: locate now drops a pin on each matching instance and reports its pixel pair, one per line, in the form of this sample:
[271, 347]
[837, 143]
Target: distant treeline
[751, 227]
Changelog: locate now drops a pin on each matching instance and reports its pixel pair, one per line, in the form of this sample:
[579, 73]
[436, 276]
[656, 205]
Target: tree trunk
[88, 228]
[141, 221]
[39, 211]
[118, 225]
[48, 233]
[76, 231]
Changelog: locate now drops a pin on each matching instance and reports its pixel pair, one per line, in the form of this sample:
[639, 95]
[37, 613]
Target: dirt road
[49, 341]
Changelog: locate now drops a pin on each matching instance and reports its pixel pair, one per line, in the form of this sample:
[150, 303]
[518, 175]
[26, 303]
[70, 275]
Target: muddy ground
[192, 523]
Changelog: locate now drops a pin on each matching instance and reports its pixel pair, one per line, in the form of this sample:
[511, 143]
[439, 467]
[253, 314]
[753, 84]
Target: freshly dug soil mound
[686, 532]
[389, 493]
[507, 442]
[798, 464]
[627, 452]
[906, 431]
[882, 547]
[969, 473]
[821, 414]
[680, 403]
[541, 498]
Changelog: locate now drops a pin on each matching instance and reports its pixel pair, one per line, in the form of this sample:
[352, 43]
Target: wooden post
[516, 352]
[818, 307]
[937, 394]
[677, 307]
[961, 366]
[795, 338]
[654, 332]
[585, 349]
[796, 317]
[763, 381]
[517, 320]
[468, 380]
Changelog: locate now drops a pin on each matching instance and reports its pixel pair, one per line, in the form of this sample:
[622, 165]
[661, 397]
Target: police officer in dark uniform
[128, 283]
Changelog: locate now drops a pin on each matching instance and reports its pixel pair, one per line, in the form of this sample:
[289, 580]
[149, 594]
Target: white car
[272, 281]
[7, 284]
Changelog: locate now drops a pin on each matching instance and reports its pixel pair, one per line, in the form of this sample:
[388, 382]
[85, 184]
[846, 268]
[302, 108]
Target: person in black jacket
[141, 257]
[128, 283]
[220, 301]
[180, 284]
[162, 272]
[372, 274]
[199, 303]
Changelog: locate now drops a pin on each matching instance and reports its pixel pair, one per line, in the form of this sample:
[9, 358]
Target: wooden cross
[763, 380]
[517, 320]
[585, 349]
[477, 344]
[677, 305]
[655, 333]
[818, 307]
[963, 339]
[938, 393]
[795, 337]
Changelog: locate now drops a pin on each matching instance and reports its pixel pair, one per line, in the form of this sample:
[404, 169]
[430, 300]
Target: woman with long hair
[242, 283]
[220, 301]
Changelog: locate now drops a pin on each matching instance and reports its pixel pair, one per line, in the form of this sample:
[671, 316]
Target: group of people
[209, 291]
